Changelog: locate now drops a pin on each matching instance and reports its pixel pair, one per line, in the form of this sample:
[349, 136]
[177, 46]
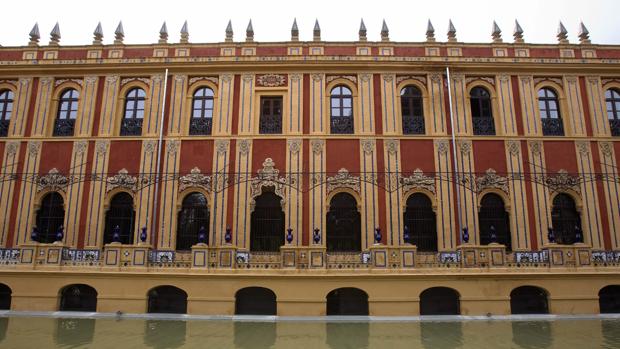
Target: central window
[6, 107]
[481, 112]
[270, 115]
[133, 113]
[202, 112]
[67, 112]
[341, 104]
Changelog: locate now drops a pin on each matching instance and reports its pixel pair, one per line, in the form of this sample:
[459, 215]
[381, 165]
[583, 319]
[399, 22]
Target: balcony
[64, 127]
[552, 127]
[614, 126]
[4, 127]
[200, 126]
[483, 126]
[413, 125]
[341, 124]
[131, 127]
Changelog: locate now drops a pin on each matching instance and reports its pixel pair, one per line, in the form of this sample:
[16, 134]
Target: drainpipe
[159, 149]
[454, 159]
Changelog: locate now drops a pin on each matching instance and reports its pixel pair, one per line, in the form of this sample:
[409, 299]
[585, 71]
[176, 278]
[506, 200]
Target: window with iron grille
[67, 112]
[412, 110]
[133, 113]
[494, 220]
[50, 217]
[201, 121]
[612, 100]
[6, 109]
[549, 108]
[341, 104]
[267, 223]
[121, 214]
[420, 219]
[565, 218]
[193, 217]
[481, 112]
[270, 115]
[344, 230]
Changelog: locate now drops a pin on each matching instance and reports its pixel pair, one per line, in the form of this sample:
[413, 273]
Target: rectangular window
[271, 115]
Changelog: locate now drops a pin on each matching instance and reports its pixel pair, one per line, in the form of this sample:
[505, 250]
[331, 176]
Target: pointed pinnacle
[184, 28]
[518, 32]
[55, 35]
[249, 32]
[316, 31]
[229, 32]
[451, 31]
[163, 34]
[562, 34]
[496, 33]
[34, 34]
[430, 30]
[98, 34]
[184, 33]
[119, 33]
[362, 31]
[294, 31]
[584, 34]
[385, 32]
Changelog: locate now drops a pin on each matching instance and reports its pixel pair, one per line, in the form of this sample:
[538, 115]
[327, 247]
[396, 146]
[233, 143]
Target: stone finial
[316, 32]
[249, 32]
[584, 34]
[163, 34]
[55, 35]
[184, 33]
[385, 32]
[98, 35]
[496, 33]
[119, 34]
[229, 32]
[294, 31]
[362, 31]
[451, 32]
[34, 35]
[430, 32]
[518, 33]
[562, 34]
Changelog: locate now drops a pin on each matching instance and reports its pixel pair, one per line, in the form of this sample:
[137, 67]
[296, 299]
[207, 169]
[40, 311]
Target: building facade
[311, 178]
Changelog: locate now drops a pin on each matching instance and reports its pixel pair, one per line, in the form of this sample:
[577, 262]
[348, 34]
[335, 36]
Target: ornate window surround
[562, 104]
[426, 107]
[54, 104]
[355, 105]
[189, 100]
[494, 108]
[281, 91]
[120, 103]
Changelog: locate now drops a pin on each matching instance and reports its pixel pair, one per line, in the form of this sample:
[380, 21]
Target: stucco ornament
[268, 177]
[271, 80]
[195, 179]
[343, 180]
[53, 181]
[491, 180]
[122, 180]
[563, 181]
[418, 181]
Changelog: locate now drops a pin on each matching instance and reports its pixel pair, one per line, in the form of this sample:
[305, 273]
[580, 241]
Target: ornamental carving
[294, 145]
[52, 181]
[436, 78]
[111, 79]
[80, 147]
[538, 80]
[535, 147]
[391, 146]
[90, 80]
[343, 180]
[149, 146]
[486, 79]
[172, 146]
[247, 78]
[583, 147]
[331, 78]
[465, 147]
[368, 145]
[46, 81]
[317, 146]
[593, 80]
[419, 78]
[365, 77]
[62, 81]
[491, 180]
[418, 181]
[388, 78]
[457, 78]
[514, 147]
[10, 82]
[122, 180]
[442, 146]
[606, 148]
[128, 80]
[34, 147]
[195, 179]
[11, 147]
[295, 77]
[101, 147]
[212, 79]
[157, 78]
[503, 78]
[24, 81]
[221, 146]
[227, 78]
[317, 77]
[268, 177]
[526, 79]
[562, 181]
[610, 80]
[271, 80]
[244, 146]
[571, 80]
[180, 78]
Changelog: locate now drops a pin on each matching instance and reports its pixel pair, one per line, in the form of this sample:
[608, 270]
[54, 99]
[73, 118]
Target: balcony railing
[614, 125]
[131, 127]
[200, 126]
[483, 126]
[4, 127]
[341, 124]
[413, 125]
[552, 127]
[64, 127]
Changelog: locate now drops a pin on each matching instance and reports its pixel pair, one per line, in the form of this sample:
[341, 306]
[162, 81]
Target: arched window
[439, 301]
[566, 222]
[420, 220]
[50, 217]
[167, 300]
[612, 99]
[347, 301]
[609, 299]
[481, 112]
[493, 221]
[549, 108]
[6, 109]
[267, 225]
[5, 297]
[344, 232]
[78, 297]
[255, 301]
[528, 300]
[133, 114]
[202, 112]
[341, 104]
[193, 217]
[67, 112]
[412, 110]
[120, 219]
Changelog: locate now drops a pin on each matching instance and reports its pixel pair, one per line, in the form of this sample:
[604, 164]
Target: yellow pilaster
[369, 205]
[243, 194]
[74, 193]
[178, 111]
[222, 122]
[20, 107]
[540, 199]
[86, 108]
[574, 114]
[26, 210]
[447, 220]
[519, 226]
[169, 194]
[145, 193]
[529, 106]
[246, 105]
[220, 196]
[109, 106]
[294, 171]
[598, 109]
[507, 124]
[611, 187]
[318, 191]
[42, 106]
[9, 165]
[590, 215]
[365, 106]
[295, 104]
[152, 116]
[469, 200]
[436, 124]
[389, 97]
[459, 106]
[394, 200]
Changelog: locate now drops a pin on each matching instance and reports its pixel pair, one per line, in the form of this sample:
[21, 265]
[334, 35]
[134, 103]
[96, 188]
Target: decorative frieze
[195, 179]
[271, 80]
[331, 78]
[212, 79]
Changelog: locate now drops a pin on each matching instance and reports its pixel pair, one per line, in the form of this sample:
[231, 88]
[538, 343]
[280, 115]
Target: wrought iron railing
[9, 256]
[614, 125]
[413, 125]
[64, 127]
[552, 127]
[81, 257]
[341, 124]
[4, 127]
[270, 124]
[606, 258]
[200, 126]
[131, 127]
[484, 126]
[528, 259]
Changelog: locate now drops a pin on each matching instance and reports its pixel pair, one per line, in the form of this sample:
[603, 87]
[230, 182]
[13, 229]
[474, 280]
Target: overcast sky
[339, 20]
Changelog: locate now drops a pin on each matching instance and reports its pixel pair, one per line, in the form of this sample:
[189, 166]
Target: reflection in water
[253, 335]
[611, 333]
[164, 334]
[74, 332]
[441, 334]
[347, 335]
[532, 334]
[4, 325]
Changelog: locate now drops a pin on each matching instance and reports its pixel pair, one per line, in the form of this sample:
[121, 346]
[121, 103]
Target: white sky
[339, 20]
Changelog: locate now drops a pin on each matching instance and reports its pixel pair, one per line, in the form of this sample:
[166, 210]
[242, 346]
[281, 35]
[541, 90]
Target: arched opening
[528, 300]
[78, 297]
[201, 121]
[67, 113]
[255, 301]
[193, 220]
[133, 113]
[494, 221]
[609, 299]
[550, 116]
[341, 105]
[439, 301]
[50, 217]
[267, 224]
[6, 109]
[120, 219]
[347, 301]
[344, 231]
[420, 220]
[566, 222]
[5, 297]
[481, 112]
[412, 110]
[612, 101]
[167, 300]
